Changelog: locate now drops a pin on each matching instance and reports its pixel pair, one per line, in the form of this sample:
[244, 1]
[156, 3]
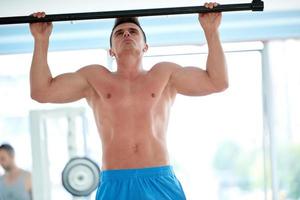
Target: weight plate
[81, 176]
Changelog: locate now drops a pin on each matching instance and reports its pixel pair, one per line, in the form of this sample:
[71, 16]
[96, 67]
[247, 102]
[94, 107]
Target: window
[216, 141]
[284, 114]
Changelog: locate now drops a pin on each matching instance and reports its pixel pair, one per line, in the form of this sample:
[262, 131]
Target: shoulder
[92, 69]
[26, 173]
[166, 67]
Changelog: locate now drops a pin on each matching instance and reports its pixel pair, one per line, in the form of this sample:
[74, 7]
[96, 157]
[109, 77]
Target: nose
[126, 34]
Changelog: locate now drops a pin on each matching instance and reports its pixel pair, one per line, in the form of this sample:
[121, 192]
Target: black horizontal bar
[256, 5]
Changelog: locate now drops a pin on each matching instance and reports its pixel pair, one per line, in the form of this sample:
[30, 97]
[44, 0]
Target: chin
[6, 168]
[130, 51]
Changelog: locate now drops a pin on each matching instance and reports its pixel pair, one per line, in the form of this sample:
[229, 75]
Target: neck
[130, 66]
[12, 170]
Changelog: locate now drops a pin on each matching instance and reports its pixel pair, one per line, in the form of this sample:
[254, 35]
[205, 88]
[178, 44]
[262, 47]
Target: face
[6, 160]
[127, 37]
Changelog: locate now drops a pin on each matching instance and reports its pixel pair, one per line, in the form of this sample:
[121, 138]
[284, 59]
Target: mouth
[127, 40]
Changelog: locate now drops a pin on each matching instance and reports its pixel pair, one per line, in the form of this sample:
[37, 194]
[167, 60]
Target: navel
[136, 148]
[153, 95]
[108, 95]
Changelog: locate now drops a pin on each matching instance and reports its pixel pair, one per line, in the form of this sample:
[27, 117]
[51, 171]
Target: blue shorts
[155, 183]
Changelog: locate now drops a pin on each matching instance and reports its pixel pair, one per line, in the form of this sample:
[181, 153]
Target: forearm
[40, 75]
[216, 62]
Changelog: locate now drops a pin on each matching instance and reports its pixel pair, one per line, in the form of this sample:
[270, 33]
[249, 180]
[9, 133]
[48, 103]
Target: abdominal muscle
[134, 153]
[133, 139]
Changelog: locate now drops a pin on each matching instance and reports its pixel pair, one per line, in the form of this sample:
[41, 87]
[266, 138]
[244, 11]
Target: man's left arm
[194, 81]
[28, 184]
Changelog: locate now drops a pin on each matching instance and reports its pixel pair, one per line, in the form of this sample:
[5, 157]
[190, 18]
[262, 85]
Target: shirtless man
[131, 106]
[15, 184]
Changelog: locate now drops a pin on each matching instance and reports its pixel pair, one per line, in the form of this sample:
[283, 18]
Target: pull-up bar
[255, 5]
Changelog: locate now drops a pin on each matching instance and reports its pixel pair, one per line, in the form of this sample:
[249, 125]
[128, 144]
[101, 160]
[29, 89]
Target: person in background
[15, 184]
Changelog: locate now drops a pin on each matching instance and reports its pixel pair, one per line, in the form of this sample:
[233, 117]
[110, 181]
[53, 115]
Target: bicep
[191, 81]
[65, 88]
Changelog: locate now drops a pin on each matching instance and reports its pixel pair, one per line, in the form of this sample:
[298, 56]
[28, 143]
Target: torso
[15, 186]
[131, 116]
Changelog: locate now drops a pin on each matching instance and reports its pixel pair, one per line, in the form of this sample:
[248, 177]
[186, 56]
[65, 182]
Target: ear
[111, 53]
[145, 49]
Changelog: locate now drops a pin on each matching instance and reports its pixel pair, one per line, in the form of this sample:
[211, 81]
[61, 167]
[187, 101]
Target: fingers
[211, 5]
[39, 14]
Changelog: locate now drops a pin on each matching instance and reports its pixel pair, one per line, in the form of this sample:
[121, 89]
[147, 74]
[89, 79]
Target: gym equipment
[81, 176]
[255, 5]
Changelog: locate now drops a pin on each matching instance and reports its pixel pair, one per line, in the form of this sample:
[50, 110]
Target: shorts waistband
[137, 172]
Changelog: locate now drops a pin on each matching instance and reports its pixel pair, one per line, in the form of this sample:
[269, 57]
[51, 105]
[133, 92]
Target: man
[131, 106]
[15, 184]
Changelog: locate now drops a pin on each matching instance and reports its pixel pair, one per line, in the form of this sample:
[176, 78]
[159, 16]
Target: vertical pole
[269, 117]
[71, 137]
[40, 164]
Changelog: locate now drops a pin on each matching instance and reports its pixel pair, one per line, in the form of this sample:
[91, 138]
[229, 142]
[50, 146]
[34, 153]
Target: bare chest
[145, 92]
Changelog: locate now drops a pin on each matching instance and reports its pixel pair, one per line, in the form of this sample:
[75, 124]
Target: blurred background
[242, 144]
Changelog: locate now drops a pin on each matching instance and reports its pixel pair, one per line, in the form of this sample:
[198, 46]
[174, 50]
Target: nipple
[153, 95]
[108, 95]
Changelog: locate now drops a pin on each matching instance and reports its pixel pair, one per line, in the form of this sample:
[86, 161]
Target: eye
[132, 31]
[118, 33]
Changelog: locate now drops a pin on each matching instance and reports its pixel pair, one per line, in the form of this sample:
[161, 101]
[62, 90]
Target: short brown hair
[122, 20]
[8, 148]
